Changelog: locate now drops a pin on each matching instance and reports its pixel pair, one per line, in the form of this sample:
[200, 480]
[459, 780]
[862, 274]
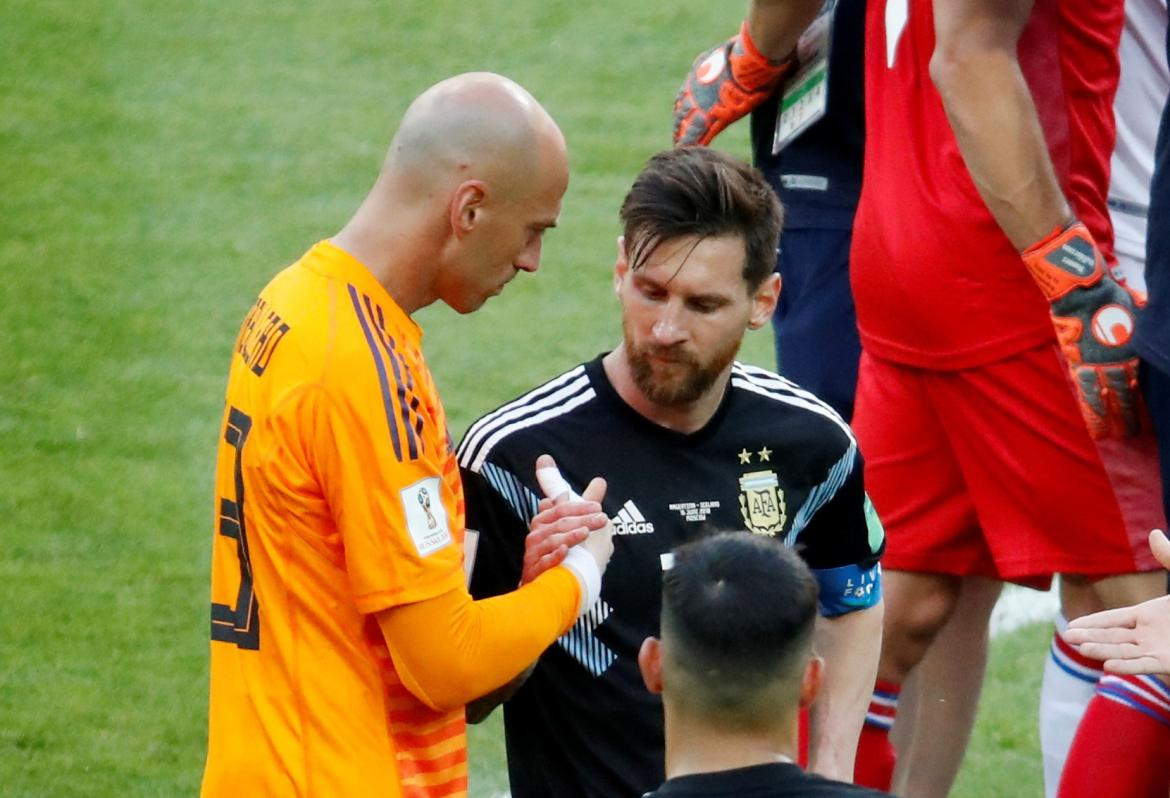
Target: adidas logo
[629, 521]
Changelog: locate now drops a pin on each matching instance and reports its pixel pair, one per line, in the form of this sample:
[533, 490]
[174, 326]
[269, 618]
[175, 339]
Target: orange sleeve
[399, 512]
[450, 649]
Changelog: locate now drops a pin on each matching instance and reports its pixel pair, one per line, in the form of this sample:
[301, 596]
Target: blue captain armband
[848, 589]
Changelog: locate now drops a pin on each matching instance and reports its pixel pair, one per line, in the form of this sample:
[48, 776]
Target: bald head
[473, 178]
[476, 125]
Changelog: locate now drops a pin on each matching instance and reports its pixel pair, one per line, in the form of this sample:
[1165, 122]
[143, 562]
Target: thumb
[1160, 546]
[595, 491]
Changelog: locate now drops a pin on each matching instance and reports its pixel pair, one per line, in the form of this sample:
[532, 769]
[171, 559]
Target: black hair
[739, 611]
[696, 191]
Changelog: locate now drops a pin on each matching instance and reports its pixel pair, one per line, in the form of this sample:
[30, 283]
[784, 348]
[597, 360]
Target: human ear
[764, 301]
[466, 209]
[650, 664]
[621, 266]
[810, 682]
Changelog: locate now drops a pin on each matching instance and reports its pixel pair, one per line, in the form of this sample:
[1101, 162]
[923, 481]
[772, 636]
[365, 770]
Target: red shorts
[990, 471]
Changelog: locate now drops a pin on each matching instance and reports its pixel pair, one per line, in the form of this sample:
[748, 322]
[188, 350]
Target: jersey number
[239, 624]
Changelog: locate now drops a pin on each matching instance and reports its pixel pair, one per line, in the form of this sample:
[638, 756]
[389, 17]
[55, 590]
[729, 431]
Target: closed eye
[706, 304]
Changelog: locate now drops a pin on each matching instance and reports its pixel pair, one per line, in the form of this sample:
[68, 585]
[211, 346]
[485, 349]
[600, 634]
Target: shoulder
[527, 415]
[774, 392]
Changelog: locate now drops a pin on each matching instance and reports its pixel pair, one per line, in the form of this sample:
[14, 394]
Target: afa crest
[761, 501]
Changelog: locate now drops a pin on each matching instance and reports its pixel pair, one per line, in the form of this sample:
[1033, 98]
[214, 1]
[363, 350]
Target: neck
[686, 418]
[694, 746]
[392, 241]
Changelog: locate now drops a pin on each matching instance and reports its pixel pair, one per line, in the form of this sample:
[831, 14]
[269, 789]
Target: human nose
[529, 258]
[668, 328]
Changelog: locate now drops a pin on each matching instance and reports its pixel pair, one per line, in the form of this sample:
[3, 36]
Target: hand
[725, 83]
[1131, 639]
[563, 522]
[1094, 319]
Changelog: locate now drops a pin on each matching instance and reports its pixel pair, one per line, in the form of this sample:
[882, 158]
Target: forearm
[994, 119]
[850, 645]
[775, 25]
[450, 649]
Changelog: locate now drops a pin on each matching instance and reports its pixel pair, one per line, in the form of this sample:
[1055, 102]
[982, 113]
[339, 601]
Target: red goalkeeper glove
[724, 84]
[1094, 319]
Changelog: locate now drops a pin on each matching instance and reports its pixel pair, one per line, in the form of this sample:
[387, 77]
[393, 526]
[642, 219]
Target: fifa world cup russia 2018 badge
[761, 501]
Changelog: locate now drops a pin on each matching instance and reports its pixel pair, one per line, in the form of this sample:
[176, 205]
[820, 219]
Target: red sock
[1122, 747]
[874, 766]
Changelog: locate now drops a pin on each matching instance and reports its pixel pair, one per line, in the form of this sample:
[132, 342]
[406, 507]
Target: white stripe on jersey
[554, 398]
[819, 496]
[767, 383]
[581, 640]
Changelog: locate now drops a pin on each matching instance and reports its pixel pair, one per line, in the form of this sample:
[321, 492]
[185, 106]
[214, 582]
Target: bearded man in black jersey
[689, 440]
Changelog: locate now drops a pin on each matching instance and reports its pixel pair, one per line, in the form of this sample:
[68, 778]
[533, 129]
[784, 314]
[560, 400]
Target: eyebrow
[642, 279]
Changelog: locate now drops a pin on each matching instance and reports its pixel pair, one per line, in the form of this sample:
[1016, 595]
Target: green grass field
[160, 161]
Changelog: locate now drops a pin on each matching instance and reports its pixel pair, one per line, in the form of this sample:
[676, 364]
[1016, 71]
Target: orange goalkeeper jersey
[337, 495]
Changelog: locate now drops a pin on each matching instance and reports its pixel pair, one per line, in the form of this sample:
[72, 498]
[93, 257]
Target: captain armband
[848, 589]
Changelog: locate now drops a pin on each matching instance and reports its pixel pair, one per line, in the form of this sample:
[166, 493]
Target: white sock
[1069, 682]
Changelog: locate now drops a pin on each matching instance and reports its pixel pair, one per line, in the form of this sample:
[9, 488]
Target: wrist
[583, 565]
[1064, 260]
[751, 68]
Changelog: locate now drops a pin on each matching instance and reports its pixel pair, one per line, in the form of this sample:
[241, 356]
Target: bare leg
[917, 607]
[1121, 591]
[947, 681]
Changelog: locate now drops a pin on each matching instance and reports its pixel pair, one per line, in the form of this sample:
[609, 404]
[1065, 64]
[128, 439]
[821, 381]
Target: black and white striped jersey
[773, 459]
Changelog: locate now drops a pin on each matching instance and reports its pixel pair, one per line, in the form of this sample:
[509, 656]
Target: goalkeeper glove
[724, 84]
[1094, 319]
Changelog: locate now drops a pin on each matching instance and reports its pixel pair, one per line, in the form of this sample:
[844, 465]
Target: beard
[683, 378]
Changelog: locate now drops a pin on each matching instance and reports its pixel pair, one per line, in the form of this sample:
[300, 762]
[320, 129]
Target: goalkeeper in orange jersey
[344, 642]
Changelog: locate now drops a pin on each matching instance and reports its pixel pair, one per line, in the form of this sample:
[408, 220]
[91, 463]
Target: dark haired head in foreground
[734, 666]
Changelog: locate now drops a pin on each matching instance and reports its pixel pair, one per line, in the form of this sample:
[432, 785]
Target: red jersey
[936, 282]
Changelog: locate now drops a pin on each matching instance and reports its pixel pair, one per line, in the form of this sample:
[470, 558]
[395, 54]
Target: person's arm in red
[976, 68]
[990, 107]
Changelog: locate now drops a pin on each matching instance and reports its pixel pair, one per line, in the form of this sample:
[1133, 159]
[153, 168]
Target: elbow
[960, 64]
[448, 688]
[950, 68]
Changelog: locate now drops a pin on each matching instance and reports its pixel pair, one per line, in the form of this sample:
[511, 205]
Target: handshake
[569, 530]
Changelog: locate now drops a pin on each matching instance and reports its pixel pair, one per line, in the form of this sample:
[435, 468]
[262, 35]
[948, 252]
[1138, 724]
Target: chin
[465, 305]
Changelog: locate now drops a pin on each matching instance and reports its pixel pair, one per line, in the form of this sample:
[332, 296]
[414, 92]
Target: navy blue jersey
[818, 175]
[773, 459]
[1153, 324]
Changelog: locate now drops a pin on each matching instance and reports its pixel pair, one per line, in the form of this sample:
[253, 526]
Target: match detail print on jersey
[426, 517]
